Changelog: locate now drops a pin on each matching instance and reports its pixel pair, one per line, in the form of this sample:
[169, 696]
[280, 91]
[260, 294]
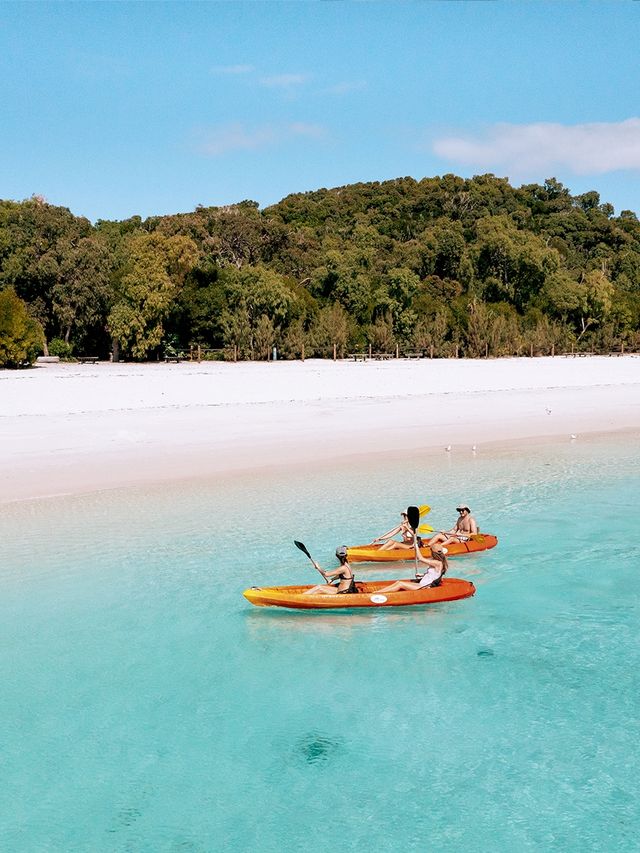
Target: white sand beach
[77, 428]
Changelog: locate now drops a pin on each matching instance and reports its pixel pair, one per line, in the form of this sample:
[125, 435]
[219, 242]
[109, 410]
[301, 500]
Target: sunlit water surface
[146, 706]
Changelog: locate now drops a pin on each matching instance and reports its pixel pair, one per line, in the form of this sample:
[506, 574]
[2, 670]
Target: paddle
[424, 510]
[413, 515]
[425, 528]
[303, 548]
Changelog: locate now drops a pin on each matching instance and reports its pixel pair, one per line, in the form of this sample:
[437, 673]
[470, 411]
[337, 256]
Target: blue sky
[116, 109]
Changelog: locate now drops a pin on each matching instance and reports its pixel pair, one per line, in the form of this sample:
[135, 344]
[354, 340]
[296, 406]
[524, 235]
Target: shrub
[61, 348]
[21, 336]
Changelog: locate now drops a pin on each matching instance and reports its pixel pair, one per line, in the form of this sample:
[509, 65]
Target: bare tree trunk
[585, 325]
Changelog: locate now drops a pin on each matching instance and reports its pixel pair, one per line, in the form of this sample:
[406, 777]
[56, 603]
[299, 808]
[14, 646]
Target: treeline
[443, 264]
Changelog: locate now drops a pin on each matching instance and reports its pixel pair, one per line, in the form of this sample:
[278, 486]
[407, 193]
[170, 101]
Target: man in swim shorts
[462, 530]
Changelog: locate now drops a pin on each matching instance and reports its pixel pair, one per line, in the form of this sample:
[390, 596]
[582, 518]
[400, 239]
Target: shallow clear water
[146, 706]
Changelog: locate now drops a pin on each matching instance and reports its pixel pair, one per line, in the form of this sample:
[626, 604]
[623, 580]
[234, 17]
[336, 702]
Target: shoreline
[312, 465]
[71, 430]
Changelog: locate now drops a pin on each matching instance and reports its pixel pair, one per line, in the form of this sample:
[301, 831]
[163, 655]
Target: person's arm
[391, 532]
[322, 571]
[334, 573]
[474, 526]
[407, 532]
[388, 535]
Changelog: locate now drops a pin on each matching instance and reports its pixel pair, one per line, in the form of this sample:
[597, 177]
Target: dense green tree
[154, 269]
[381, 334]
[297, 339]
[264, 336]
[33, 239]
[265, 302]
[513, 263]
[21, 337]
[330, 329]
[81, 294]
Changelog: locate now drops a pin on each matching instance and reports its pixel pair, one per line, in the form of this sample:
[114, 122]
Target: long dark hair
[440, 555]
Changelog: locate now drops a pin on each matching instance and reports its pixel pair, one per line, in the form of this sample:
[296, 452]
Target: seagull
[573, 436]
[448, 448]
[547, 410]
[473, 449]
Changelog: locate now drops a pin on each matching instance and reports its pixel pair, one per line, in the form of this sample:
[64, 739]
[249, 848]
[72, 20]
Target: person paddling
[438, 565]
[346, 582]
[388, 543]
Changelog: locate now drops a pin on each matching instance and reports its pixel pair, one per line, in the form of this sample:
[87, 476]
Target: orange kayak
[451, 589]
[374, 553]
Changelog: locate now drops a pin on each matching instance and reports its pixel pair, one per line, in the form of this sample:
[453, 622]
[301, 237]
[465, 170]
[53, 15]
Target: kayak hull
[294, 597]
[374, 554]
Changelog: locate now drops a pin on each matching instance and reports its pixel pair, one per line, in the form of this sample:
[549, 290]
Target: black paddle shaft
[303, 548]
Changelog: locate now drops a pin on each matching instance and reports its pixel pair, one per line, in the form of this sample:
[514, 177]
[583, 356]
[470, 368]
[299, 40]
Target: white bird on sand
[473, 449]
[448, 448]
[573, 436]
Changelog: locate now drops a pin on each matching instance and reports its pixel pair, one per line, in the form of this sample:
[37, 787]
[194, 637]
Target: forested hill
[442, 265]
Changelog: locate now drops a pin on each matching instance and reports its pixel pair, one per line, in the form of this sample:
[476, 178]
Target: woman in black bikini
[346, 582]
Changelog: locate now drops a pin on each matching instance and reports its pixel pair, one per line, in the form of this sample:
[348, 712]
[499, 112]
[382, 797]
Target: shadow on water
[317, 621]
[314, 748]
[124, 819]
[485, 653]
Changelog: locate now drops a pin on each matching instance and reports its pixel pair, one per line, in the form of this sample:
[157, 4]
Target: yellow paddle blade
[424, 509]
[425, 528]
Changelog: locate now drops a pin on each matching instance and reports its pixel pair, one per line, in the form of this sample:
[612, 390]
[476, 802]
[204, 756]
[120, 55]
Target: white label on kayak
[378, 599]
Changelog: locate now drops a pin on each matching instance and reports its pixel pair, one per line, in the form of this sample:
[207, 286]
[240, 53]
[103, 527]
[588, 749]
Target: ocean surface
[146, 706]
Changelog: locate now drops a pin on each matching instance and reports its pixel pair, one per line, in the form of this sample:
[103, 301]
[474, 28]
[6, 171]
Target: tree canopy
[474, 266]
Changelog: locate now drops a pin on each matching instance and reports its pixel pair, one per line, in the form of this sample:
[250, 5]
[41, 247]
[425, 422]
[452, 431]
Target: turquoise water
[146, 706]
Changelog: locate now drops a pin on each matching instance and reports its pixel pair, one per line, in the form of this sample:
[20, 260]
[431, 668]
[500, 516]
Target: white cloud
[233, 69]
[529, 148]
[313, 131]
[345, 87]
[237, 137]
[283, 81]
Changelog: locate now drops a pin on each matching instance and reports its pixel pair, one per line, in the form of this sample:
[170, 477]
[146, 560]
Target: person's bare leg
[321, 590]
[399, 586]
[394, 545]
